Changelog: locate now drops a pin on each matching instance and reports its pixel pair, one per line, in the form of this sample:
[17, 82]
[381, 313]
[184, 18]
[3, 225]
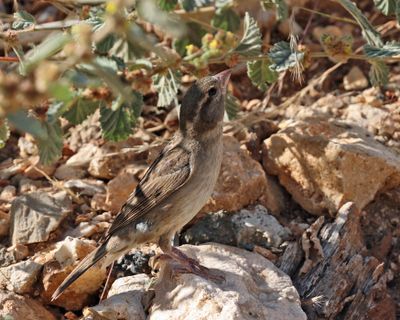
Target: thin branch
[9, 59]
[326, 15]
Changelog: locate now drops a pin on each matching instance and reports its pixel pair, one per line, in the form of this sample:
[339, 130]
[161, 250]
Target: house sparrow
[175, 187]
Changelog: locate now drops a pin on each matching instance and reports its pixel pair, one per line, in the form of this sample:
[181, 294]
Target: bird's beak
[223, 78]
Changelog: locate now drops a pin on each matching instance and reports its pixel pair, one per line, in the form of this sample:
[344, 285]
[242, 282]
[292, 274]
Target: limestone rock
[66, 172]
[35, 169]
[246, 229]
[108, 165]
[34, 216]
[4, 223]
[120, 187]
[60, 263]
[258, 227]
[125, 300]
[241, 180]
[11, 255]
[355, 80]
[253, 289]
[87, 187]
[85, 154]
[275, 198]
[8, 193]
[14, 306]
[325, 164]
[20, 277]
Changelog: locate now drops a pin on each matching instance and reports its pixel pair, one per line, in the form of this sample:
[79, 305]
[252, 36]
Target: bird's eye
[212, 92]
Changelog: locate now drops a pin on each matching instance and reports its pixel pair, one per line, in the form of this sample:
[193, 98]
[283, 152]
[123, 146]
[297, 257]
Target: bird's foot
[190, 265]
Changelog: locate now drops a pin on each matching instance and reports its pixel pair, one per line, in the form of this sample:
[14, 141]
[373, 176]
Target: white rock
[87, 187]
[124, 300]
[59, 263]
[355, 80]
[16, 307]
[20, 277]
[253, 289]
[258, 226]
[84, 155]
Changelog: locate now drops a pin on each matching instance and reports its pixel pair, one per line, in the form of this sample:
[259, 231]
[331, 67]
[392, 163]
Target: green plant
[104, 59]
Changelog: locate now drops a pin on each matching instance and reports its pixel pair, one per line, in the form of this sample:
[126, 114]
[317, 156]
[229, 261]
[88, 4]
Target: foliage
[105, 60]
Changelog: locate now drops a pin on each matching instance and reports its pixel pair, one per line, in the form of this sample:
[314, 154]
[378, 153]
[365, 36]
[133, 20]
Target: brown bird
[175, 187]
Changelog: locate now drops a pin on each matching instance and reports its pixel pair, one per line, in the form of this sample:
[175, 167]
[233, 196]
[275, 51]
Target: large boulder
[253, 289]
[324, 164]
[241, 180]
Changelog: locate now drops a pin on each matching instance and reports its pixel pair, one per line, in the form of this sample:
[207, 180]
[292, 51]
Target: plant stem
[326, 15]
[9, 59]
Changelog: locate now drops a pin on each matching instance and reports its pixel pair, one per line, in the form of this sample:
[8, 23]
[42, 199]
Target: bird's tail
[90, 260]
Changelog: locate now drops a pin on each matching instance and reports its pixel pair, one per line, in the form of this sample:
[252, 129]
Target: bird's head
[203, 104]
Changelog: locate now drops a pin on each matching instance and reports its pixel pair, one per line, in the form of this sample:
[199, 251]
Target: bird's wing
[170, 171]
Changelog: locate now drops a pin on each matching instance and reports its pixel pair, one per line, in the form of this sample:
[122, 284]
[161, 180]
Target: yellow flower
[190, 49]
[111, 7]
[214, 44]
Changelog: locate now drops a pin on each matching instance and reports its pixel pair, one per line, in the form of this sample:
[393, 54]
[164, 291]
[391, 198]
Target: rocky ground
[303, 223]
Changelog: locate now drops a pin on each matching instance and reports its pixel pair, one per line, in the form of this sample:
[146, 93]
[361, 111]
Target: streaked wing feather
[168, 173]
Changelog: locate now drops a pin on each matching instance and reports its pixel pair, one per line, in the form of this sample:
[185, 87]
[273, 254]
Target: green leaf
[250, 44]
[149, 11]
[48, 134]
[226, 19]
[56, 110]
[44, 50]
[190, 5]
[167, 86]
[283, 58]
[105, 45]
[193, 36]
[232, 106]
[141, 64]
[282, 10]
[369, 33]
[379, 73]
[25, 122]
[260, 73]
[117, 124]
[167, 5]
[61, 91]
[387, 7]
[4, 132]
[80, 110]
[23, 20]
[389, 49]
[50, 148]
[398, 11]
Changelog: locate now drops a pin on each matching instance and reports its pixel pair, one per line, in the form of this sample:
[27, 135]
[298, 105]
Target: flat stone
[34, 216]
